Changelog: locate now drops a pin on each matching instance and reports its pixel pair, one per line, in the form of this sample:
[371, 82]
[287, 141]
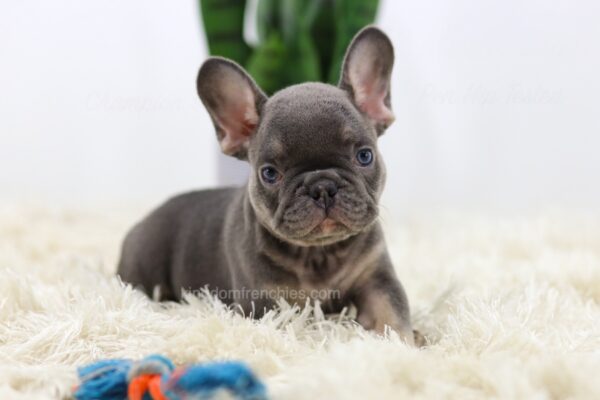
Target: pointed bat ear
[234, 103]
[366, 75]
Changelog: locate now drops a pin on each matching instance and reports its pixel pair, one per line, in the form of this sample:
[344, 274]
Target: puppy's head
[316, 172]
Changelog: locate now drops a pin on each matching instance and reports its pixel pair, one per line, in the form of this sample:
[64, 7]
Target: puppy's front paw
[420, 340]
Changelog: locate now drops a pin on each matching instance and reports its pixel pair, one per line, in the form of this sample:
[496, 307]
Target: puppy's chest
[315, 269]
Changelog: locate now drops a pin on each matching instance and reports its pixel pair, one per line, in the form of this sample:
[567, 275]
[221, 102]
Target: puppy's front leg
[381, 301]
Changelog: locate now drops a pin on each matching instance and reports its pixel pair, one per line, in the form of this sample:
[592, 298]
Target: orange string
[154, 388]
[145, 383]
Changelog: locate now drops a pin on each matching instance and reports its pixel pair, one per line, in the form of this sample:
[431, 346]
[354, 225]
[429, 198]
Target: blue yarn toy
[156, 378]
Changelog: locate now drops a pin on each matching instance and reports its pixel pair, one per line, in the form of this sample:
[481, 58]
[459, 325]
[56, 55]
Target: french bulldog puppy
[306, 222]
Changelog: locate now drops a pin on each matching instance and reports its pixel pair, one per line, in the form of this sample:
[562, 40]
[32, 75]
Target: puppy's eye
[364, 157]
[269, 175]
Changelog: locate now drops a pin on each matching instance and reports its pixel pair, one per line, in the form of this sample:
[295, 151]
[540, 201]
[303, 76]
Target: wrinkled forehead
[308, 122]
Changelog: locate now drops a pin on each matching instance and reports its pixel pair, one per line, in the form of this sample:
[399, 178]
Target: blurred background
[497, 104]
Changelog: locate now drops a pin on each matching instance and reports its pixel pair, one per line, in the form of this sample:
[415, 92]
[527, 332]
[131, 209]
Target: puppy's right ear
[234, 103]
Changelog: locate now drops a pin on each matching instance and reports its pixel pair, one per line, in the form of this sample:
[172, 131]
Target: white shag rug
[510, 306]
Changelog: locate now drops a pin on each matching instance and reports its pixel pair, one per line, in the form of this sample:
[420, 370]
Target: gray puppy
[306, 222]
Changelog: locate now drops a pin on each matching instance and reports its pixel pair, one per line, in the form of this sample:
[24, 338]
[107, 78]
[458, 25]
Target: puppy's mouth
[326, 231]
[327, 227]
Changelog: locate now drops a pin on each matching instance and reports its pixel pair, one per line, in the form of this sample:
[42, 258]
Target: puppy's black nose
[323, 192]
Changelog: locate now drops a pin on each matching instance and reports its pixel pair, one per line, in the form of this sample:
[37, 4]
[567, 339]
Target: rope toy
[156, 378]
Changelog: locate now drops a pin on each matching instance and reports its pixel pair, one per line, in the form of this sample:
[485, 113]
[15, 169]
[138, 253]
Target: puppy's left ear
[366, 75]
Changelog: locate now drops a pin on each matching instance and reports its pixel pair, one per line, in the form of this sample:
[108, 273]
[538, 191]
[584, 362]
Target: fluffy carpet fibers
[510, 308]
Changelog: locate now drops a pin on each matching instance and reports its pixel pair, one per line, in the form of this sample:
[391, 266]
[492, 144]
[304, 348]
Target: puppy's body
[306, 223]
[181, 246]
